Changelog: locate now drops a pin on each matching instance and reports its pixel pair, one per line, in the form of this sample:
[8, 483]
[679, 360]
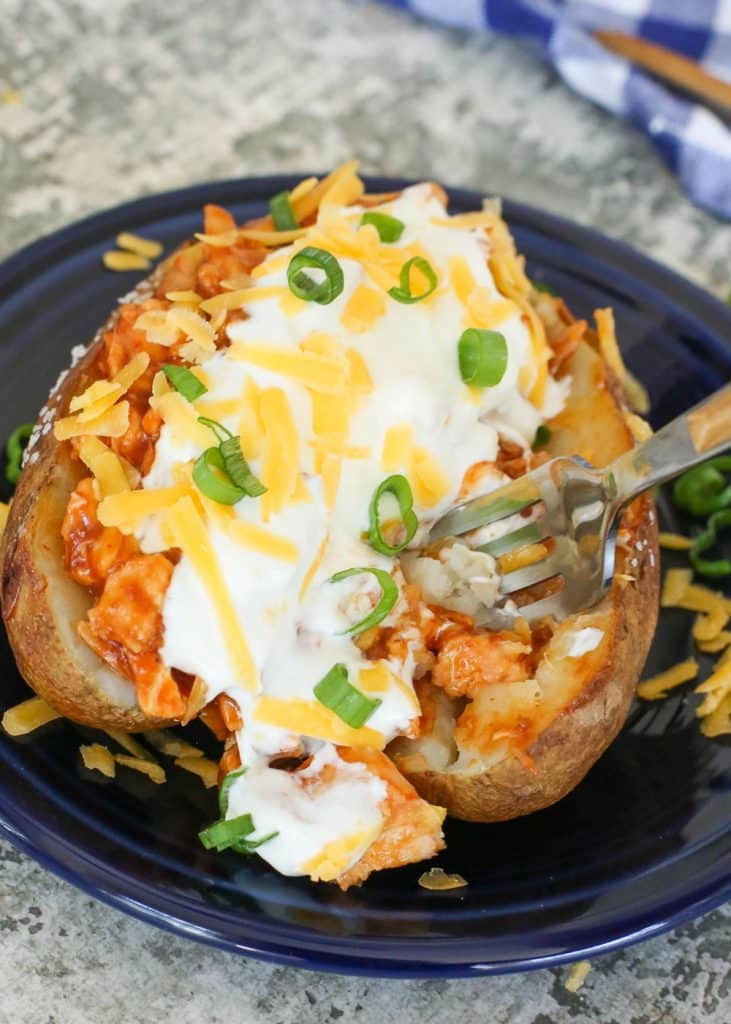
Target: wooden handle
[669, 65]
[710, 425]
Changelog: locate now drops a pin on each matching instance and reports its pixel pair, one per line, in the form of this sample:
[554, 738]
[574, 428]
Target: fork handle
[697, 435]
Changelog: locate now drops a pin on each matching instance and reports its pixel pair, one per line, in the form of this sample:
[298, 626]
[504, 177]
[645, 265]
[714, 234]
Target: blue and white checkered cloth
[693, 141]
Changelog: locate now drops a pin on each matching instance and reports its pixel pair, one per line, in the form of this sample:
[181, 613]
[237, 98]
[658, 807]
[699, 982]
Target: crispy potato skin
[40, 603]
[565, 751]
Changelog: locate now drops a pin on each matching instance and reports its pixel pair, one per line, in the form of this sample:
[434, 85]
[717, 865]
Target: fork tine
[531, 574]
[528, 534]
[489, 508]
[553, 605]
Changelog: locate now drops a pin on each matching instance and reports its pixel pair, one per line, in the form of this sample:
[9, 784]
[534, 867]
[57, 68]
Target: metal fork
[577, 507]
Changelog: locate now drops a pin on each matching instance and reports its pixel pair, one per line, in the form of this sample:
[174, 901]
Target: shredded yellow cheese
[184, 529]
[151, 769]
[207, 771]
[315, 720]
[363, 308]
[657, 687]
[674, 541]
[131, 507]
[320, 373]
[114, 259]
[337, 855]
[142, 246]
[112, 423]
[280, 462]
[28, 716]
[98, 758]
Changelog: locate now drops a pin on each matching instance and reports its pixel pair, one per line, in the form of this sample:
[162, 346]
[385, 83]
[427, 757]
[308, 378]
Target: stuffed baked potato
[201, 527]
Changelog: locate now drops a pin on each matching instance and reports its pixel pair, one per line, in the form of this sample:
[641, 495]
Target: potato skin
[593, 423]
[41, 604]
[565, 751]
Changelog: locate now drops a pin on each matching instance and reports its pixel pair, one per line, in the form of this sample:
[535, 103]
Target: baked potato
[199, 527]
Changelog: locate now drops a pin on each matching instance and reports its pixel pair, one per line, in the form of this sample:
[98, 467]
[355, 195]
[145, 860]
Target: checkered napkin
[693, 141]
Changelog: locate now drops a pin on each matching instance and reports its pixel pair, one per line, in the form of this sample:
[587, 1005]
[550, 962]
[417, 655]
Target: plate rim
[697, 304]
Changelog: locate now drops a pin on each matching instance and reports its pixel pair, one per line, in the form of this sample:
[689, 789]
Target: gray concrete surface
[101, 102]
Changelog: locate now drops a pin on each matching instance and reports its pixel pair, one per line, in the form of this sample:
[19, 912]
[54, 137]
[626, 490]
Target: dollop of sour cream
[294, 619]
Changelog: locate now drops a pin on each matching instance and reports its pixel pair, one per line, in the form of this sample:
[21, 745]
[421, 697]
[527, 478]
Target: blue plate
[642, 845]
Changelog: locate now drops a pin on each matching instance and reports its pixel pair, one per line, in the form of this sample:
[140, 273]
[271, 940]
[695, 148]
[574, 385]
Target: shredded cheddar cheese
[660, 685]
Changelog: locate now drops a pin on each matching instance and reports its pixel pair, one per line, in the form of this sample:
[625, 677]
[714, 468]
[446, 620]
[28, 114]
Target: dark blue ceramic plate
[641, 845]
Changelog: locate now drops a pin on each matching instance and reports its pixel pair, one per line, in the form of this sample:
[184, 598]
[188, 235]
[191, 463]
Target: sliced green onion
[221, 432]
[210, 476]
[14, 451]
[541, 286]
[703, 490]
[231, 834]
[399, 487]
[282, 212]
[389, 228]
[403, 293]
[223, 834]
[184, 382]
[226, 785]
[238, 468]
[543, 436]
[304, 286]
[337, 693]
[711, 567]
[249, 845]
[389, 597]
[483, 357]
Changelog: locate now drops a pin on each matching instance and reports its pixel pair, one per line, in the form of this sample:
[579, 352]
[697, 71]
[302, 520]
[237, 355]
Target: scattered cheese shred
[313, 371]
[716, 689]
[28, 716]
[363, 308]
[98, 758]
[184, 528]
[128, 743]
[718, 643]
[314, 566]
[674, 542]
[170, 744]
[428, 479]
[193, 326]
[577, 976]
[188, 296]
[250, 535]
[142, 246]
[131, 507]
[315, 720]
[657, 687]
[154, 771]
[4, 513]
[675, 584]
[112, 423]
[337, 855]
[305, 205]
[437, 880]
[182, 418]
[114, 259]
[397, 445]
[205, 769]
[608, 342]
[280, 462]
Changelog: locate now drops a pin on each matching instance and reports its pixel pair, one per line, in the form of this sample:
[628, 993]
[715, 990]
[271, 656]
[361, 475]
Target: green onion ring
[403, 293]
[222, 433]
[483, 357]
[223, 834]
[304, 287]
[704, 490]
[711, 567]
[282, 212]
[389, 597]
[336, 692]
[14, 451]
[389, 228]
[399, 487]
[218, 486]
[184, 382]
[238, 468]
